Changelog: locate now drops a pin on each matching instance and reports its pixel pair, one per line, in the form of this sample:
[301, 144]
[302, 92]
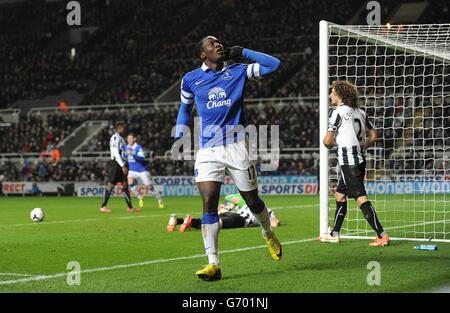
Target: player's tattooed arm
[372, 137]
[329, 140]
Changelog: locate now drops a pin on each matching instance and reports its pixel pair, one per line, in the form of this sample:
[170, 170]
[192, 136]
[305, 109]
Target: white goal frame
[436, 52]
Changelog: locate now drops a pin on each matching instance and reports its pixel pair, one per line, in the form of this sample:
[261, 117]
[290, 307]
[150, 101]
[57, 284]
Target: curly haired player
[351, 131]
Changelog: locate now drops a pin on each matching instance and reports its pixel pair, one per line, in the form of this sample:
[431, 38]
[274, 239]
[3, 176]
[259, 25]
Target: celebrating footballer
[217, 89]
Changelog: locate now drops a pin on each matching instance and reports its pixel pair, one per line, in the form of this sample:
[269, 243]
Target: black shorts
[232, 220]
[351, 180]
[114, 172]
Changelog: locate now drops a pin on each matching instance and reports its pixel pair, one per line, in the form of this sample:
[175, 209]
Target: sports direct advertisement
[16, 188]
[29, 188]
[185, 186]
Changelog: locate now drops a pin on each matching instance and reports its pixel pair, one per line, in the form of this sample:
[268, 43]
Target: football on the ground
[37, 215]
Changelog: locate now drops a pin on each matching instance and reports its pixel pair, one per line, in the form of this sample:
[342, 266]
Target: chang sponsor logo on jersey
[217, 98]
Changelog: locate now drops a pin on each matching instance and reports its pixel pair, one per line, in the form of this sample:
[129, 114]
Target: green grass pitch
[132, 252]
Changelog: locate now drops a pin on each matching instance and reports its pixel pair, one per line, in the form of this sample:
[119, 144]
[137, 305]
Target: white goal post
[403, 75]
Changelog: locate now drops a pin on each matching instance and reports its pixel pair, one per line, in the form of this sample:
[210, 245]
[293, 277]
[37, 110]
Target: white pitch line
[419, 224]
[122, 266]
[404, 226]
[355, 233]
[294, 206]
[16, 274]
[396, 238]
[443, 289]
[85, 220]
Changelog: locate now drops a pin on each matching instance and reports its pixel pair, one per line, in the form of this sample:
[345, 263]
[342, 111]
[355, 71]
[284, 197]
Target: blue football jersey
[219, 98]
[136, 160]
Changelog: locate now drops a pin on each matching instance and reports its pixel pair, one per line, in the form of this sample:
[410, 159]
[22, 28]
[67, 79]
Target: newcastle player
[117, 169]
[350, 130]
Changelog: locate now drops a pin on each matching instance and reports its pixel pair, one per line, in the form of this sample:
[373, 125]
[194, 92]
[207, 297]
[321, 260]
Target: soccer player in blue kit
[138, 170]
[218, 92]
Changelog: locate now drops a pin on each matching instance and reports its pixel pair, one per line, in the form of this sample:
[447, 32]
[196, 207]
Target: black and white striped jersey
[250, 219]
[116, 145]
[350, 126]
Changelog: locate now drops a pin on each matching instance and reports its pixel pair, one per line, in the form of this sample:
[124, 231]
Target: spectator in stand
[56, 155]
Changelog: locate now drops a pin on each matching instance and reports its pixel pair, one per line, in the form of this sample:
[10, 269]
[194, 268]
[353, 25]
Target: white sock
[210, 233]
[263, 219]
[134, 190]
[155, 193]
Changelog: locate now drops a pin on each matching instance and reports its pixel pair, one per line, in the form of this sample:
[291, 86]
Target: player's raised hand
[233, 52]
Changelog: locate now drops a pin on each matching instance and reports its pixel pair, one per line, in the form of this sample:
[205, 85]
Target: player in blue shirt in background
[218, 92]
[138, 170]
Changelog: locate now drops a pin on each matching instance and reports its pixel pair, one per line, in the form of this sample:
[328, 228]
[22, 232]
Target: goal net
[403, 75]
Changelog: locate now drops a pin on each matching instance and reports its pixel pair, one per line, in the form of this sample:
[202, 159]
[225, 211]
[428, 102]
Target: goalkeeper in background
[348, 128]
[233, 213]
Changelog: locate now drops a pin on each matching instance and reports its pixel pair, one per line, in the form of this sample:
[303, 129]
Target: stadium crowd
[36, 134]
[45, 170]
[297, 130]
[94, 171]
[297, 125]
[137, 51]
[148, 123]
[34, 63]
[286, 36]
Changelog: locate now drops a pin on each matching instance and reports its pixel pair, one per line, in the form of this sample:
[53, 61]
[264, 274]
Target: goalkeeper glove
[233, 52]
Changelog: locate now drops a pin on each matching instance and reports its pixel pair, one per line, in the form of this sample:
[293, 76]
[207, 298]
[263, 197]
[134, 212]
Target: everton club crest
[227, 75]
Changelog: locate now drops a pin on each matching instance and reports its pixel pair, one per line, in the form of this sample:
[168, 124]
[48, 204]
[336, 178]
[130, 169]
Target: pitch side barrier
[268, 185]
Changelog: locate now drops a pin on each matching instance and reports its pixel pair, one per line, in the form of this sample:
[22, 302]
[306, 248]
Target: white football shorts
[211, 164]
[142, 177]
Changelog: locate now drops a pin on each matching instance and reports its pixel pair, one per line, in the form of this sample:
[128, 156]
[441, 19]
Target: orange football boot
[187, 223]
[380, 242]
